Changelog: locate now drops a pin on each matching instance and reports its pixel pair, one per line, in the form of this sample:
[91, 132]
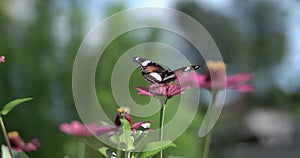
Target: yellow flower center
[215, 65]
[13, 134]
[123, 109]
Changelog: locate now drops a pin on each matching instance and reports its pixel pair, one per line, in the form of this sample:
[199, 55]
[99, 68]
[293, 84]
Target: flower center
[216, 69]
[13, 134]
[215, 65]
[123, 109]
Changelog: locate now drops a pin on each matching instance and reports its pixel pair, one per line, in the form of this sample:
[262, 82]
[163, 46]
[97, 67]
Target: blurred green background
[40, 40]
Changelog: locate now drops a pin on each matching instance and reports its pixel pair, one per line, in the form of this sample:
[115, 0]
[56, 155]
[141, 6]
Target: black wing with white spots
[155, 73]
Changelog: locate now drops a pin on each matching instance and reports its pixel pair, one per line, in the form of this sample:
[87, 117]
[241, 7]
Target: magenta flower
[18, 144]
[2, 59]
[111, 130]
[216, 70]
[167, 90]
[77, 129]
[121, 112]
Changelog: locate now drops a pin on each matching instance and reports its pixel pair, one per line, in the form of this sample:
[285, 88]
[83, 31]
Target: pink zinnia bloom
[167, 90]
[2, 59]
[111, 130]
[215, 78]
[18, 144]
[75, 128]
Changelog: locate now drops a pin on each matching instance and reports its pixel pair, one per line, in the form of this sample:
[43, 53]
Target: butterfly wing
[172, 75]
[155, 73]
[186, 69]
[151, 71]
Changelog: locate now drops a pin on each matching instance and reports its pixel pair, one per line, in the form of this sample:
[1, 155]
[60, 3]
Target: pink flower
[168, 90]
[18, 144]
[75, 128]
[111, 130]
[2, 59]
[215, 78]
[123, 112]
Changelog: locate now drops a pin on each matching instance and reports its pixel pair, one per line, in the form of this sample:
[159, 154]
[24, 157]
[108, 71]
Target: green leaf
[153, 148]
[20, 155]
[133, 155]
[12, 104]
[105, 151]
[115, 138]
[172, 156]
[138, 135]
[125, 137]
[6, 154]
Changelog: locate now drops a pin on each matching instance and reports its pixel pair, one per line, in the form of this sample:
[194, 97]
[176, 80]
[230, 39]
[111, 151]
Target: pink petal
[92, 127]
[137, 125]
[19, 145]
[112, 133]
[75, 129]
[2, 59]
[18, 149]
[201, 80]
[191, 79]
[245, 88]
[196, 80]
[176, 89]
[238, 79]
[204, 81]
[168, 90]
[144, 91]
[106, 129]
[30, 147]
[65, 128]
[35, 142]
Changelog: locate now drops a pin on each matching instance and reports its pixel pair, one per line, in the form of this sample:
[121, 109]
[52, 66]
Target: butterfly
[155, 73]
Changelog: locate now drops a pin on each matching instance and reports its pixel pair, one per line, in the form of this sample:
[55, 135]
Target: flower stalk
[127, 154]
[81, 150]
[209, 135]
[207, 144]
[161, 125]
[6, 137]
[162, 92]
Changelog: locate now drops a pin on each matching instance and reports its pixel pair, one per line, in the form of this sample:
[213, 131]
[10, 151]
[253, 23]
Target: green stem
[81, 150]
[161, 125]
[207, 144]
[6, 137]
[127, 154]
[209, 135]
[119, 151]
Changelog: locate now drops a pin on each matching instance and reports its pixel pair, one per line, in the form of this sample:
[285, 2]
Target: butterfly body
[155, 73]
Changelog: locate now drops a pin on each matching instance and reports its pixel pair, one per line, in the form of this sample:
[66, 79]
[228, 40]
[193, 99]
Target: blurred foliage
[40, 50]
[254, 36]
[39, 66]
[252, 39]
